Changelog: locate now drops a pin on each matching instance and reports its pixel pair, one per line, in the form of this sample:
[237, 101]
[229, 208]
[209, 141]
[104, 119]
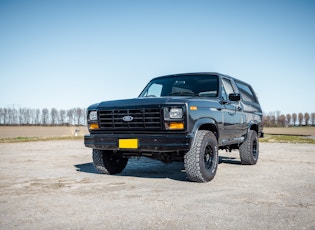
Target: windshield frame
[184, 85]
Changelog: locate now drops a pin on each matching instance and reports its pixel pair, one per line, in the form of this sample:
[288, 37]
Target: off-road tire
[107, 162]
[201, 161]
[249, 149]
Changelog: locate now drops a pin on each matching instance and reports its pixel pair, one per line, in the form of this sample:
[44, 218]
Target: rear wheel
[108, 162]
[249, 150]
[201, 161]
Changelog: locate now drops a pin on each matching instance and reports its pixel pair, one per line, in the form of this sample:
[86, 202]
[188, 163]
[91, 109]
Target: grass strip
[286, 139]
[267, 139]
[30, 139]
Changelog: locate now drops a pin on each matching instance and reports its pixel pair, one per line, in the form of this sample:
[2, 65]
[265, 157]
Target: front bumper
[146, 142]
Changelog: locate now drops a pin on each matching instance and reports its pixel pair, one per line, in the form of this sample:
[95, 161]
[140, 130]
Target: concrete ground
[53, 185]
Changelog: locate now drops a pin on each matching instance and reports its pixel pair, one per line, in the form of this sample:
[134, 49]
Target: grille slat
[145, 118]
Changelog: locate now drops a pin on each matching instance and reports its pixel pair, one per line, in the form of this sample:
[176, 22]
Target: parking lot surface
[53, 184]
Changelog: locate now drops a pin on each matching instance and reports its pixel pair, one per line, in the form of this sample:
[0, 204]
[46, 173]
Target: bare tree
[54, 116]
[266, 121]
[78, 114]
[45, 116]
[4, 114]
[294, 118]
[9, 116]
[27, 116]
[70, 114]
[313, 118]
[306, 118]
[24, 115]
[32, 116]
[12, 116]
[281, 120]
[272, 119]
[37, 117]
[84, 117]
[21, 116]
[300, 117]
[1, 116]
[288, 118]
[277, 118]
[62, 116]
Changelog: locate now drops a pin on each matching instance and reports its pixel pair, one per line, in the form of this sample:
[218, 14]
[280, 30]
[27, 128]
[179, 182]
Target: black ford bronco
[181, 117]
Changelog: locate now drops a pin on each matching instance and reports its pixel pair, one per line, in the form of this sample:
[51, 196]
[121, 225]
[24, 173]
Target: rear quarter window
[246, 92]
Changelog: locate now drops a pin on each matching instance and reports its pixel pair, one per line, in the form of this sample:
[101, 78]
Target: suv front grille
[143, 118]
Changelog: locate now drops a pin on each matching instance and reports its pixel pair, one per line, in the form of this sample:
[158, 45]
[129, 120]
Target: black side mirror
[234, 97]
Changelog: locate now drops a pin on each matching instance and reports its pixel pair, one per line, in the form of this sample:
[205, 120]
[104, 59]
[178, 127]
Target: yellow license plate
[128, 143]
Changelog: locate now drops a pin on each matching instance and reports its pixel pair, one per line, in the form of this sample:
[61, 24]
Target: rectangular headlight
[93, 116]
[176, 113]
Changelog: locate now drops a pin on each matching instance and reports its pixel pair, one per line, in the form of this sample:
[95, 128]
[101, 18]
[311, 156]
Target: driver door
[232, 114]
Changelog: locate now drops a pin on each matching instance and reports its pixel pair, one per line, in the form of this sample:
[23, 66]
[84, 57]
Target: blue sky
[65, 54]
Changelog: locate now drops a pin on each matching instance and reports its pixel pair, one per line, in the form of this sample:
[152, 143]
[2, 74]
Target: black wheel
[108, 162]
[201, 161]
[249, 150]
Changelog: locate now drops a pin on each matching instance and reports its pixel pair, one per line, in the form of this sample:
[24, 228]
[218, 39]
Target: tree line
[45, 117]
[276, 119]
[78, 116]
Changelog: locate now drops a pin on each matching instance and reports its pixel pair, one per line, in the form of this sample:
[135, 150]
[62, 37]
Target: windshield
[185, 85]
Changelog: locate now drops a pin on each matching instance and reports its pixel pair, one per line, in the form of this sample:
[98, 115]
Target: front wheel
[201, 161]
[249, 150]
[108, 162]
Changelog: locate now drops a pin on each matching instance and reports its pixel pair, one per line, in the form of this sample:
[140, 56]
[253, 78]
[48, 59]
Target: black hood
[143, 101]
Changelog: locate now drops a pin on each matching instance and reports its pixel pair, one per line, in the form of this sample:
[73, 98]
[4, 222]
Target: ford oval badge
[127, 118]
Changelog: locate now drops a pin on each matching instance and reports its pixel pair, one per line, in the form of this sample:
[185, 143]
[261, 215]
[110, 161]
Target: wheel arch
[206, 124]
[253, 125]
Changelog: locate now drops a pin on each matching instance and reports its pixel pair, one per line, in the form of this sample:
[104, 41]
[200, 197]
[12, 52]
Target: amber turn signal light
[176, 125]
[93, 126]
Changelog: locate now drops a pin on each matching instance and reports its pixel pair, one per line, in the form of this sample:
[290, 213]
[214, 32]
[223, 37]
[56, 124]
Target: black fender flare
[201, 122]
[252, 125]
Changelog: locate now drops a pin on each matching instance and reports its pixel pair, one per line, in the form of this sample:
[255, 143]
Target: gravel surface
[53, 185]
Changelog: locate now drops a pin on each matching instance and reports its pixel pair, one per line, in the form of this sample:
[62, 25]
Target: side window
[227, 88]
[224, 96]
[246, 92]
[154, 90]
